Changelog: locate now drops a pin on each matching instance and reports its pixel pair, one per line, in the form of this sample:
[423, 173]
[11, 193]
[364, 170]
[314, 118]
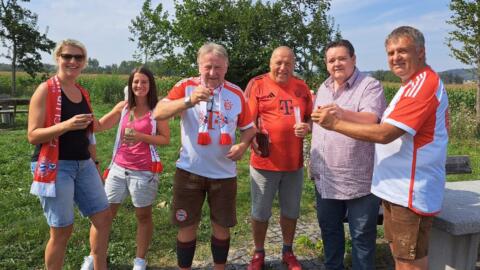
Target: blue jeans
[77, 182]
[362, 216]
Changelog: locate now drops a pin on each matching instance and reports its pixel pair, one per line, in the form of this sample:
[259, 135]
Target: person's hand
[335, 109]
[325, 116]
[236, 151]
[79, 121]
[301, 129]
[200, 93]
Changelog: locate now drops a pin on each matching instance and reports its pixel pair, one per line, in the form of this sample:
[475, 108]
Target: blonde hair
[69, 42]
[214, 48]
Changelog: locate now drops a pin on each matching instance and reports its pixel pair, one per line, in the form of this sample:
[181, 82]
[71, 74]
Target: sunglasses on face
[68, 57]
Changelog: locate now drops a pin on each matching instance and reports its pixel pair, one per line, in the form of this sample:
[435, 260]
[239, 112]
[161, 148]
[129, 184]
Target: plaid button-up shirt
[341, 166]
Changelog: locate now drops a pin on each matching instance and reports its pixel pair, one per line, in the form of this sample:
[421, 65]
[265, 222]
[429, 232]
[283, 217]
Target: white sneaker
[87, 263]
[139, 264]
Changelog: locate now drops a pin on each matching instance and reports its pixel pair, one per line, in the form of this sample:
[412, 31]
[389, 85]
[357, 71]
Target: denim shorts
[264, 187]
[77, 182]
[141, 185]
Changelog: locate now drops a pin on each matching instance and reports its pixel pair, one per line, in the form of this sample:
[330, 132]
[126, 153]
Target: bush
[107, 88]
[5, 84]
[457, 97]
[164, 84]
[462, 123]
[461, 98]
[25, 84]
[389, 92]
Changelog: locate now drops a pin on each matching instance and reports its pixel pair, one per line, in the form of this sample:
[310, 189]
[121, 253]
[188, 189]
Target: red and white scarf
[206, 118]
[45, 172]
[156, 165]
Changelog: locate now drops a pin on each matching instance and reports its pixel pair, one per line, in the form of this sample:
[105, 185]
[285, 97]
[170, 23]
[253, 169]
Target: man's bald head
[282, 64]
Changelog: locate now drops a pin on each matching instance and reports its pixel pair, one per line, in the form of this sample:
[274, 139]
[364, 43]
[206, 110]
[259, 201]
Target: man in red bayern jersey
[281, 104]
[411, 149]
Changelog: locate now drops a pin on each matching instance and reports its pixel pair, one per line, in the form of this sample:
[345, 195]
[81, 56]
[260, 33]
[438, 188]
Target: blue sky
[103, 27]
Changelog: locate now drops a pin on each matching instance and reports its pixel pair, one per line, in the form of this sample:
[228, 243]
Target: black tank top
[73, 145]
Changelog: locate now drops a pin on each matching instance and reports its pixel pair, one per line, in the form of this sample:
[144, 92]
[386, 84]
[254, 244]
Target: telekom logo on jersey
[286, 106]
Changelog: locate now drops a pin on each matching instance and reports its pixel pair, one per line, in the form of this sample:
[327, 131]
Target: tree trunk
[14, 70]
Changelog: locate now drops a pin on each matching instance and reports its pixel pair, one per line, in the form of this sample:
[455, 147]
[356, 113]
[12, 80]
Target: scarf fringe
[225, 139]
[204, 138]
[157, 167]
[105, 173]
[43, 189]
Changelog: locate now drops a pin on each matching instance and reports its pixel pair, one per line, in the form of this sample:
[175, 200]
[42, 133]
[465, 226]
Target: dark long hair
[152, 98]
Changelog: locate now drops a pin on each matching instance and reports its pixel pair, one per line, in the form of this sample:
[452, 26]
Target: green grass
[24, 232]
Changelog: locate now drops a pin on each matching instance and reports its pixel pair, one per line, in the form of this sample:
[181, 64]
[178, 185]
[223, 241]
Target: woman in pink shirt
[135, 163]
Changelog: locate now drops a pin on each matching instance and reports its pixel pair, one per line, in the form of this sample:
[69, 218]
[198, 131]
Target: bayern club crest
[227, 104]
[181, 215]
[45, 166]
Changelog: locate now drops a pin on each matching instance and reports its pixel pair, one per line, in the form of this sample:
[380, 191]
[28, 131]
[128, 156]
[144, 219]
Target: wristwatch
[188, 101]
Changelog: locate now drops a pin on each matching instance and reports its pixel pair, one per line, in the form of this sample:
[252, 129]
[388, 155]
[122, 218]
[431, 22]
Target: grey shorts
[264, 187]
[141, 185]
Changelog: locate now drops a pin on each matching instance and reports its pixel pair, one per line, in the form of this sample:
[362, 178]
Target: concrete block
[455, 236]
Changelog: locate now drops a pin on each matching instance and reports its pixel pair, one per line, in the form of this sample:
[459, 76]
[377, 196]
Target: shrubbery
[102, 88]
[109, 88]
[457, 97]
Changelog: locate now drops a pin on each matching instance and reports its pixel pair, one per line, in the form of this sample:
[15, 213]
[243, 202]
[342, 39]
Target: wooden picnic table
[9, 107]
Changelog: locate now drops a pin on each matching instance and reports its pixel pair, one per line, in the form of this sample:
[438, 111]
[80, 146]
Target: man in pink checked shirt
[341, 166]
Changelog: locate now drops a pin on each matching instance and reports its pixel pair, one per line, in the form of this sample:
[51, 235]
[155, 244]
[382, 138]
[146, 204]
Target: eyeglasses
[68, 57]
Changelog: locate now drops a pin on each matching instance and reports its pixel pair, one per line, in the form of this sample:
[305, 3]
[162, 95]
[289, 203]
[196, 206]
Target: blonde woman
[60, 124]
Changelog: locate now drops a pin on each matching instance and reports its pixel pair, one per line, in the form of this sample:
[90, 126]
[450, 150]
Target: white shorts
[141, 185]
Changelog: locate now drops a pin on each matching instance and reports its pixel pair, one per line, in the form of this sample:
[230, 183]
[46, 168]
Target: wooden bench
[9, 108]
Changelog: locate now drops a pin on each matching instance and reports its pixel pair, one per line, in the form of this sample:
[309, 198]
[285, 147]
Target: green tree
[466, 19]
[151, 30]
[309, 29]
[93, 66]
[250, 31]
[19, 34]
[385, 76]
[126, 67]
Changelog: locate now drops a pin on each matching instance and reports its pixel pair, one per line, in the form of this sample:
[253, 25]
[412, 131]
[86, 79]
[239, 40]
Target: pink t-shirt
[135, 156]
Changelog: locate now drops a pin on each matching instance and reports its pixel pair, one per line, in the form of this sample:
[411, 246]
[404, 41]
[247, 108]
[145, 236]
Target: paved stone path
[240, 257]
